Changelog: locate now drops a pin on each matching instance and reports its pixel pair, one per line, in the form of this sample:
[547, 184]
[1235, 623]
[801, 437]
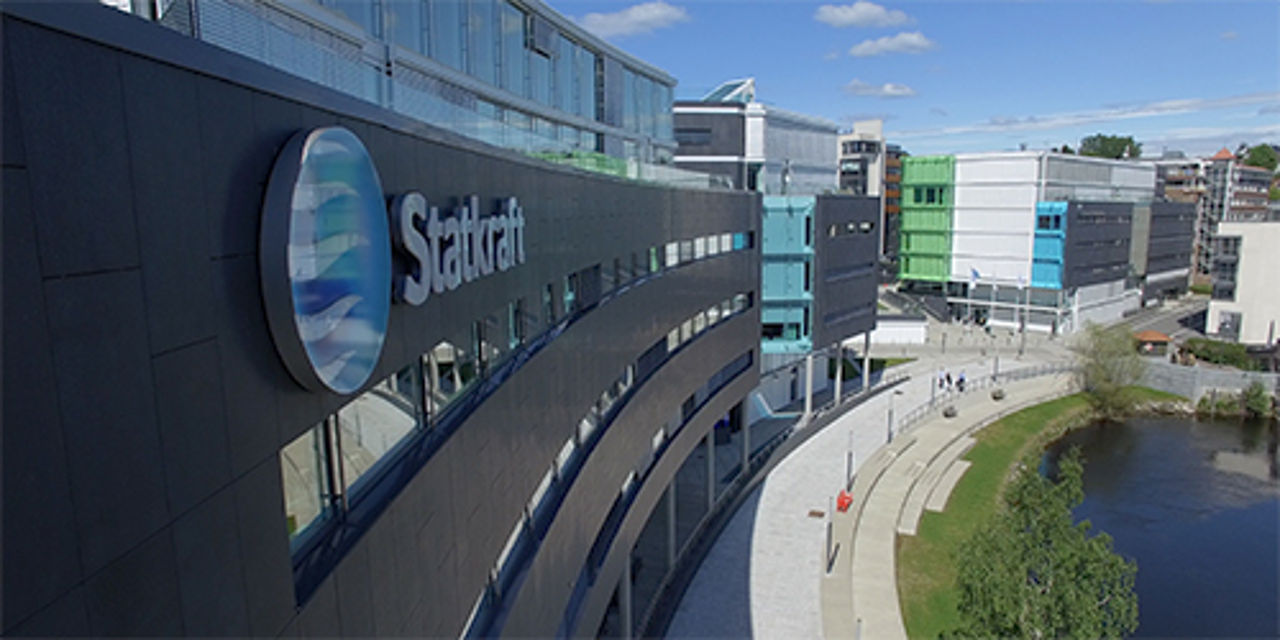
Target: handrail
[928, 407]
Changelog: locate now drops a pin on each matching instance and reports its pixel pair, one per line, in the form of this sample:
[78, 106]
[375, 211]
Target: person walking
[960, 382]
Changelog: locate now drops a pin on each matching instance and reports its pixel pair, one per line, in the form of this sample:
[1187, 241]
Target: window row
[545, 499]
[337, 458]
[929, 195]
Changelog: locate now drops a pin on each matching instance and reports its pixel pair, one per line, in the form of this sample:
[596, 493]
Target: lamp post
[896, 392]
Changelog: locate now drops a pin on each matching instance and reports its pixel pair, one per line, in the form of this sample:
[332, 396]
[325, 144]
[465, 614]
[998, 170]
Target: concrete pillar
[839, 371]
[808, 384]
[746, 435]
[866, 362]
[671, 525]
[710, 443]
[624, 600]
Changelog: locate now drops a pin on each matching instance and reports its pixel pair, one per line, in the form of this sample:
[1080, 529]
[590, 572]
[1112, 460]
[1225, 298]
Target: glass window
[519, 130]
[405, 21]
[686, 250]
[565, 92]
[713, 314]
[482, 27]
[515, 323]
[570, 292]
[673, 254]
[673, 340]
[304, 471]
[586, 73]
[360, 12]
[699, 248]
[540, 78]
[726, 242]
[686, 330]
[628, 100]
[376, 422]
[699, 323]
[740, 302]
[446, 32]
[452, 371]
[565, 455]
[514, 56]
[549, 304]
[739, 241]
[713, 245]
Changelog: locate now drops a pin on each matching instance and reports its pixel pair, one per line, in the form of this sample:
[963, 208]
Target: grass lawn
[926, 564]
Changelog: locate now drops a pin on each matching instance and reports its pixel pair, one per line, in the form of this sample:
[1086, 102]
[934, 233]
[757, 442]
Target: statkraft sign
[325, 251]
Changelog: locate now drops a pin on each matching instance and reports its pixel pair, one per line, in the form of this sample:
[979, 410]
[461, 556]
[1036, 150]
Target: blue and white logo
[325, 251]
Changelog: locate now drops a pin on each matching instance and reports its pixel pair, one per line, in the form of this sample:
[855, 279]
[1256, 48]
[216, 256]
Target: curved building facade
[279, 361]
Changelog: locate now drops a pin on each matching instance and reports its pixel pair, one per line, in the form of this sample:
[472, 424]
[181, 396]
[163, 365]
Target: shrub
[1219, 352]
[1257, 402]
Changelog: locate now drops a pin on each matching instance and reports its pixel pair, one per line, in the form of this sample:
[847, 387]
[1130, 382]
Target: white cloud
[1271, 108]
[905, 42]
[860, 14]
[646, 17]
[831, 55]
[1050, 121]
[1229, 35]
[886, 90]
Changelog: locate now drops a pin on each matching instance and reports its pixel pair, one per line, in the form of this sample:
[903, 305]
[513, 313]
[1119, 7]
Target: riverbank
[926, 562]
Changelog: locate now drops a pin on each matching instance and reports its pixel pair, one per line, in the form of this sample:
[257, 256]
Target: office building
[1244, 306]
[1222, 188]
[754, 146]
[1024, 237]
[283, 361]
[819, 250]
[869, 166]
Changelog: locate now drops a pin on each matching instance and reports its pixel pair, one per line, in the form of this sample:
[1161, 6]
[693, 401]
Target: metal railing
[943, 399]
[656, 617]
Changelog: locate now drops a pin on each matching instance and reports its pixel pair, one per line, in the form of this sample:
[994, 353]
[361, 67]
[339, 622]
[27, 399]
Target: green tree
[1066, 148]
[1261, 156]
[1030, 573]
[1257, 402]
[1107, 361]
[1103, 146]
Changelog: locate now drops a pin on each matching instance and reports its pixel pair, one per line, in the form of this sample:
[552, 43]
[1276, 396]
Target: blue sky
[977, 76]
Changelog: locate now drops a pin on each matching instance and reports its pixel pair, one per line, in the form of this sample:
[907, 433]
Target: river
[1197, 504]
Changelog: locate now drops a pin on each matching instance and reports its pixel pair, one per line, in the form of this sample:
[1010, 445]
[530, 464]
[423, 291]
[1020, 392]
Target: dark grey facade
[1169, 247]
[721, 134]
[145, 407]
[845, 247]
[1097, 244]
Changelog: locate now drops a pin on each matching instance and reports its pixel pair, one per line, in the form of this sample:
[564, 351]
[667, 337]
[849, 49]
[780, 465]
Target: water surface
[1197, 505]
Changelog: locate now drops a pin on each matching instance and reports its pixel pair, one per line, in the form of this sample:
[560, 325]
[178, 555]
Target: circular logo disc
[326, 260]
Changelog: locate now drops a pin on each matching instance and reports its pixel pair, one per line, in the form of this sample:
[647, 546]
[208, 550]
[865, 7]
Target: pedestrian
[948, 381]
[960, 382]
[942, 379]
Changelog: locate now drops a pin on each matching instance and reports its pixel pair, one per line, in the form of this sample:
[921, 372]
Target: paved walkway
[763, 577]
[862, 589]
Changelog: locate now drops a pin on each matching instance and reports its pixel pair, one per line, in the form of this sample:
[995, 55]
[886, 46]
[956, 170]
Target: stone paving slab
[942, 491]
[913, 508]
[766, 575]
[875, 609]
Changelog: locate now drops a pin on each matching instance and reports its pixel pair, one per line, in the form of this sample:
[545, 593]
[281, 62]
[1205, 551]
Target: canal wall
[1193, 382]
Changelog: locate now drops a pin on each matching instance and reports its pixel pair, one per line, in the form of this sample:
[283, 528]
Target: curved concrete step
[942, 491]
[913, 508]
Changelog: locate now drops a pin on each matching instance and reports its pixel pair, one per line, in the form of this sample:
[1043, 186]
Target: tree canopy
[1107, 361]
[1104, 146]
[1031, 573]
[1261, 156]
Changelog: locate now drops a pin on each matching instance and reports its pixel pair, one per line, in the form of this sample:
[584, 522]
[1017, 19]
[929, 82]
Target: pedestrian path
[860, 593]
[764, 577]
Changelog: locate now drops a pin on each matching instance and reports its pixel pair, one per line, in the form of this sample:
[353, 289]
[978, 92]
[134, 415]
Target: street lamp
[896, 392]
